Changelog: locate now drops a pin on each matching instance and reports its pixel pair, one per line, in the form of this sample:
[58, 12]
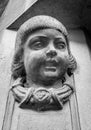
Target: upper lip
[51, 62]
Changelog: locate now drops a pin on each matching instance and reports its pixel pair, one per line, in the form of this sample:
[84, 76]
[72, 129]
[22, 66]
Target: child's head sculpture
[42, 64]
[42, 52]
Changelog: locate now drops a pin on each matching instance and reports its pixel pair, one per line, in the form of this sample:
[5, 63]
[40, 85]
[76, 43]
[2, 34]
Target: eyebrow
[61, 37]
[39, 36]
[35, 37]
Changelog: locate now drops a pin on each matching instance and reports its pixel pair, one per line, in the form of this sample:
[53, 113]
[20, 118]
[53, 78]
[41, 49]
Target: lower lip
[50, 68]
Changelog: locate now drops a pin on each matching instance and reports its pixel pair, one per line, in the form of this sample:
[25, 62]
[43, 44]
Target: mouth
[51, 65]
[50, 68]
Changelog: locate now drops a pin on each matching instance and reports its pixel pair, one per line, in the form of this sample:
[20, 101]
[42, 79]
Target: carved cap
[38, 22]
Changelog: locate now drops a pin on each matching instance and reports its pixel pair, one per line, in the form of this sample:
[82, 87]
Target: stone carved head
[42, 51]
[42, 58]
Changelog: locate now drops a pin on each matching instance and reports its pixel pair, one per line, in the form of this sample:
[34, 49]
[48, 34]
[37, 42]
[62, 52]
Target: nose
[51, 52]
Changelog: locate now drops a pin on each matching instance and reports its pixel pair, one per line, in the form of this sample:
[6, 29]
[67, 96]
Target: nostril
[51, 53]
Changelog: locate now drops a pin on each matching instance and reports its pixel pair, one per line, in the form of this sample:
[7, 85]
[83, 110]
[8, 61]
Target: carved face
[45, 56]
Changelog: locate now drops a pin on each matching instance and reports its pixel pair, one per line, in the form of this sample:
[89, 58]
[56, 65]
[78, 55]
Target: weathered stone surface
[14, 9]
[3, 4]
[6, 54]
[69, 12]
[82, 77]
[49, 120]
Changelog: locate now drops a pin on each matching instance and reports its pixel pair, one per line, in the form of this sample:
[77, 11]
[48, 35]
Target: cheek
[63, 54]
[29, 57]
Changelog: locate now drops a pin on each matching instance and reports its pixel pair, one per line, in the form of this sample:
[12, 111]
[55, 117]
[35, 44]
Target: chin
[49, 77]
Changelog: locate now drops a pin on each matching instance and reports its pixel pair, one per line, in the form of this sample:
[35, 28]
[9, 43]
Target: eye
[37, 43]
[60, 44]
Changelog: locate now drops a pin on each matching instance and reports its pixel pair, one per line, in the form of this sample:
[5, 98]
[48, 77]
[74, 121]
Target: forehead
[50, 33]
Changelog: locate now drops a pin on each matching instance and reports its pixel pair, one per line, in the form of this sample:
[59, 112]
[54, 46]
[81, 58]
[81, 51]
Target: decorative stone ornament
[42, 98]
[43, 65]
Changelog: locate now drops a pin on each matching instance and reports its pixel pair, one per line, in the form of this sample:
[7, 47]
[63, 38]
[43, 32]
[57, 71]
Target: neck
[55, 85]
